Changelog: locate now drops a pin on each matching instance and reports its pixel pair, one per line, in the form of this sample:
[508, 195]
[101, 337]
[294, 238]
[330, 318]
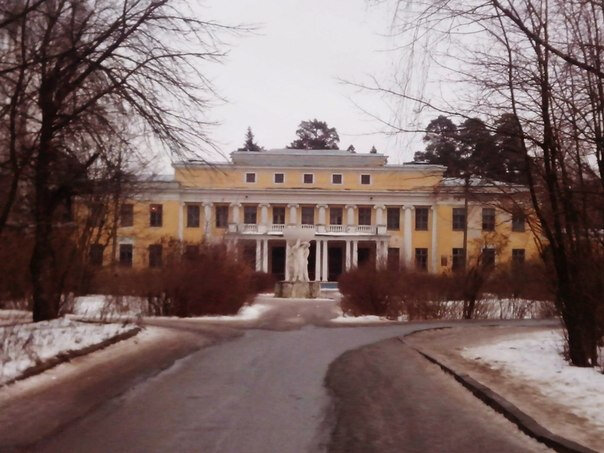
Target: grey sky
[288, 71]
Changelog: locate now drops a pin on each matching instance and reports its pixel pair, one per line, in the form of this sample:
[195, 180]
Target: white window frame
[250, 173]
[313, 178]
[361, 179]
[341, 179]
[275, 178]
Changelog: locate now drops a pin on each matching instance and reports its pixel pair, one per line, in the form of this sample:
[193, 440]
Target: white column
[355, 253]
[181, 208]
[263, 227]
[235, 215]
[318, 260]
[293, 214]
[322, 218]
[207, 217]
[324, 265]
[258, 255]
[434, 244]
[407, 240]
[265, 255]
[350, 217]
[287, 276]
[348, 257]
[379, 219]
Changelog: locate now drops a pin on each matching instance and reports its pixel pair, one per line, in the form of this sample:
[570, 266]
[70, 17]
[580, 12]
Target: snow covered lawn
[535, 359]
[25, 346]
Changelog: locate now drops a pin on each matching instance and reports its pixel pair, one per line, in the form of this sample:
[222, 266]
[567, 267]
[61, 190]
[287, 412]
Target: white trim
[361, 179]
[308, 183]
[341, 179]
[255, 181]
[275, 177]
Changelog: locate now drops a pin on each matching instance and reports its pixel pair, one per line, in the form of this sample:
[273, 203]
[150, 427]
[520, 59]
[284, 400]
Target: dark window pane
[155, 215]
[421, 218]
[459, 219]
[278, 215]
[308, 178]
[518, 256]
[249, 214]
[365, 179]
[308, 215]
[488, 219]
[393, 218]
[222, 216]
[393, 263]
[193, 215]
[96, 254]
[421, 259]
[518, 221]
[126, 215]
[126, 255]
[335, 216]
[155, 255]
[191, 251]
[459, 259]
[279, 178]
[488, 257]
[336, 179]
[365, 216]
[250, 177]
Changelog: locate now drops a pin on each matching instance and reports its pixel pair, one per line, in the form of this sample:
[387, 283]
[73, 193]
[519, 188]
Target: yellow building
[355, 207]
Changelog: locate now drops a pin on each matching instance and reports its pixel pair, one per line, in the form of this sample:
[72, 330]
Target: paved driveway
[265, 392]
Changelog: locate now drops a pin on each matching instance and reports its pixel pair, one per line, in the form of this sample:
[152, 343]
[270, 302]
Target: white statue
[298, 258]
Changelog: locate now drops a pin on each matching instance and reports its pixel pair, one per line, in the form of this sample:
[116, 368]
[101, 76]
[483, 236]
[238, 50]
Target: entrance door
[335, 262]
[278, 262]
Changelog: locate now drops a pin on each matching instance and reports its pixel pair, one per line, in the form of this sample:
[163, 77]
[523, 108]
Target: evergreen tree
[373, 150]
[315, 134]
[249, 144]
[351, 149]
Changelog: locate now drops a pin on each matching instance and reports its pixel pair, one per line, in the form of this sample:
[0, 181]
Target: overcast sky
[289, 71]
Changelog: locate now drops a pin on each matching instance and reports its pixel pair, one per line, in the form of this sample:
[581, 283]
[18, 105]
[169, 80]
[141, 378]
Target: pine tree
[315, 134]
[249, 144]
[351, 149]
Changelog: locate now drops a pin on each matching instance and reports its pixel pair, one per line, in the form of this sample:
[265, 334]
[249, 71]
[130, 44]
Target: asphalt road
[265, 392]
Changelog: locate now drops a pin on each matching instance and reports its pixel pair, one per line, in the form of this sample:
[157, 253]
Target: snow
[536, 359]
[246, 313]
[345, 319]
[27, 345]
[98, 306]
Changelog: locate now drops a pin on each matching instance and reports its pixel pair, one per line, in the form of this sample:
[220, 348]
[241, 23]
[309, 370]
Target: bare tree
[73, 73]
[541, 60]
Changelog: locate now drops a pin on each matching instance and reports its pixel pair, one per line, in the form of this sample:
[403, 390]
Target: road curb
[72, 354]
[527, 424]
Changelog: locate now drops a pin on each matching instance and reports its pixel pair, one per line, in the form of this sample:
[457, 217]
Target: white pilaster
[350, 217]
[322, 218]
[434, 245]
[265, 255]
[293, 214]
[258, 255]
[181, 208]
[287, 247]
[207, 217]
[325, 264]
[379, 219]
[407, 239]
[348, 256]
[263, 227]
[235, 217]
[318, 260]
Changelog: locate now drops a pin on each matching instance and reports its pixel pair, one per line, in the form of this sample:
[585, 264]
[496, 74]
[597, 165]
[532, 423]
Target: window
[222, 216]
[365, 179]
[126, 215]
[278, 215]
[421, 259]
[421, 219]
[155, 255]
[336, 178]
[393, 263]
[365, 216]
[459, 259]
[97, 214]
[518, 256]
[488, 257]
[393, 219]
[96, 254]
[488, 219]
[459, 219]
[518, 221]
[155, 215]
[279, 178]
[249, 214]
[192, 216]
[250, 178]
[308, 215]
[335, 216]
[126, 255]
[308, 178]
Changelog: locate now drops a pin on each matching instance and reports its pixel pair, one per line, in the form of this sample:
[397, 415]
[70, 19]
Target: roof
[308, 158]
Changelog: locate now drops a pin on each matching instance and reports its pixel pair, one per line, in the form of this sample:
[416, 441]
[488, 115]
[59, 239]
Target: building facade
[356, 207]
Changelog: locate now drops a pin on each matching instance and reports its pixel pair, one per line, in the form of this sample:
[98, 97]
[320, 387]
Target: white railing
[368, 229]
[277, 227]
[249, 228]
[335, 228]
[307, 227]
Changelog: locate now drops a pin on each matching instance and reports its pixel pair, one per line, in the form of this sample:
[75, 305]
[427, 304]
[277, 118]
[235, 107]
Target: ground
[287, 381]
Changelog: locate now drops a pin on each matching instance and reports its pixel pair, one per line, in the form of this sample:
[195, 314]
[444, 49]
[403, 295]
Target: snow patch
[536, 359]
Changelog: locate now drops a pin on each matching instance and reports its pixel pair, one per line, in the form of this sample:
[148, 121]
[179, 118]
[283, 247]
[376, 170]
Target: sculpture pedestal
[301, 290]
